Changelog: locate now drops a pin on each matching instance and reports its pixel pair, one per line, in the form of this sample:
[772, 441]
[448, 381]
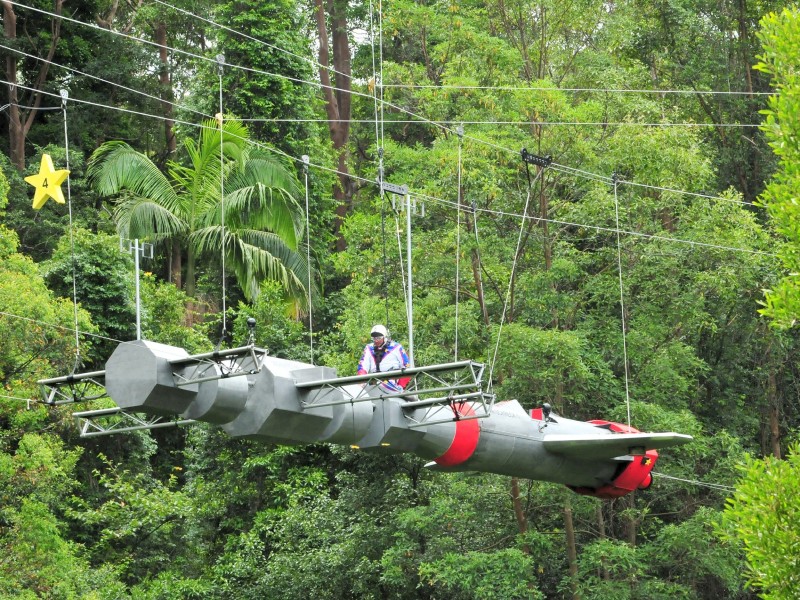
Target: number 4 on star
[47, 183]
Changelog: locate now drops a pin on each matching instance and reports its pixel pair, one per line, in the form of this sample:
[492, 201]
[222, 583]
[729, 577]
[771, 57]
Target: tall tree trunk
[165, 82]
[572, 552]
[631, 522]
[519, 512]
[176, 264]
[475, 262]
[601, 529]
[190, 279]
[774, 415]
[19, 122]
[773, 401]
[337, 101]
[16, 138]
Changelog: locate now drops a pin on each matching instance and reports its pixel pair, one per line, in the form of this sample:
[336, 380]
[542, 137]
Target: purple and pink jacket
[394, 358]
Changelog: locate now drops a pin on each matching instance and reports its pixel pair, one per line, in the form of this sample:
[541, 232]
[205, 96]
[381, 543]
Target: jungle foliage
[660, 194]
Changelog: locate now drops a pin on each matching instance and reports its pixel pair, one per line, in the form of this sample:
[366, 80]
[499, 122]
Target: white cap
[379, 329]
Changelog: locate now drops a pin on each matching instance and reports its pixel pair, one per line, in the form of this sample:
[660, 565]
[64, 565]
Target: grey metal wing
[594, 447]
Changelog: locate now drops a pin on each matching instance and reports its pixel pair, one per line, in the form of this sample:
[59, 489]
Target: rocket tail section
[597, 458]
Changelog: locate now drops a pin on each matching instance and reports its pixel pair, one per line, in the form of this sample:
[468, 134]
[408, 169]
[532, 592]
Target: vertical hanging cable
[513, 269]
[410, 296]
[383, 239]
[380, 63]
[220, 120]
[379, 146]
[615, 179]
[64, 97]
[400, 254]
[479, 269]
[460, 132]
[308, 260]
[375, 83]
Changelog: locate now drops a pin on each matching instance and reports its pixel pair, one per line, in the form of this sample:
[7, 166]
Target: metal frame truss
[245, 360]
[69, 389]
[435, 387]
[108, 421]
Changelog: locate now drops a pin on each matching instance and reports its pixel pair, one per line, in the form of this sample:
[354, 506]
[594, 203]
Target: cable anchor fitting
[393, 188]
[539, 161]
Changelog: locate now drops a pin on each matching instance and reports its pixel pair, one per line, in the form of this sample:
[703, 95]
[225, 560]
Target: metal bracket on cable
[539, 161]
[78, 387]
[393, 188]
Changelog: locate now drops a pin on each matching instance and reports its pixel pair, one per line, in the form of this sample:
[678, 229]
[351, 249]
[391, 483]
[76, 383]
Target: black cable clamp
[539, 161]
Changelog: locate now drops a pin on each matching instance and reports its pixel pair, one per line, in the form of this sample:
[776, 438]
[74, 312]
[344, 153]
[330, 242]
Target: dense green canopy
[627, 277]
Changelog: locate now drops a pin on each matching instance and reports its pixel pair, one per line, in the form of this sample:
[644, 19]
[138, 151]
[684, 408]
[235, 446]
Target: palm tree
[263, 219]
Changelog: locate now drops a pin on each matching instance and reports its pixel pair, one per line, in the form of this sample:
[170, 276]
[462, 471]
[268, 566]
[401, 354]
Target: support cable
[220, 120]
[473, 87]
[377, 97]
[375, 89]
[96, 78]
[400, 254]
[599, 228]
[61, 327]
[308, 260]
[410, 296]
[584, 174]
[204, 58]
[78, 362]
[567, 170]
[713, 486]
[622, 303]
[480, 272]
[383, 239]
[531, 184]
[460, 132]
[379, 84]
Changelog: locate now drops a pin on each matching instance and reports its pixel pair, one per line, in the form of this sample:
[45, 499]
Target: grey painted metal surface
[290, 402]
[142, 378]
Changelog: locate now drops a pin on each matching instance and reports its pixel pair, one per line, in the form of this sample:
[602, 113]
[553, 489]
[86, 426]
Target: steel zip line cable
[247, 69]
[569, 170]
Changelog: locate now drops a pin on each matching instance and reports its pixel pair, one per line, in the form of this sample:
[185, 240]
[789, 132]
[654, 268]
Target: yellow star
[47, 183]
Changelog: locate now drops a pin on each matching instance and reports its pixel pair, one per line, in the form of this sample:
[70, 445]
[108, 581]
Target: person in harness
[383, 355]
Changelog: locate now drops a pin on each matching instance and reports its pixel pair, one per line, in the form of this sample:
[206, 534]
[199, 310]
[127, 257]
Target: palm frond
[115, 167]
[255, 256]
[143, 218]
[270, 170]
[261, 208]
[234, 142]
